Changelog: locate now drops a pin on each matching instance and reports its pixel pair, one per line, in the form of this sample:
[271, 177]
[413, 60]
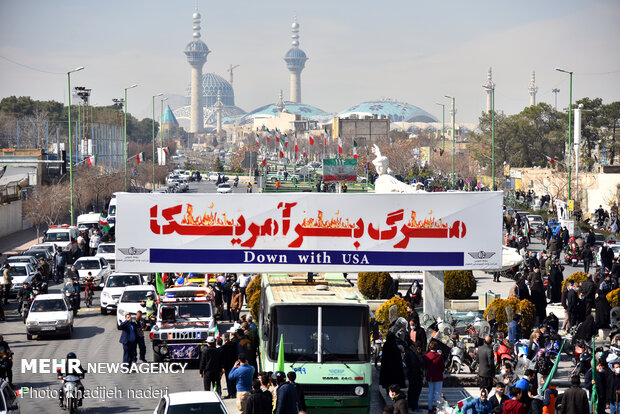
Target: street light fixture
[492, 89]
[71, 139]
[135, 85]
[154, 96]
[570, 111]
[453, 138]
[443, 125]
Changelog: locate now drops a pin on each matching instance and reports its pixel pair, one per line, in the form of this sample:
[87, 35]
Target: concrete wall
[10, 218]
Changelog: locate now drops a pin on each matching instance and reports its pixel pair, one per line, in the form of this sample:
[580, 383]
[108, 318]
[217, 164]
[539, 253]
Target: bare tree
[34, 211]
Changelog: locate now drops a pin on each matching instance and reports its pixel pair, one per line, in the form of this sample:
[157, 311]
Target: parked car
[97, 266]
[113, 289]
[50, 314]
[108, 252]
[23, 259]
[191, 401]
[130, 301]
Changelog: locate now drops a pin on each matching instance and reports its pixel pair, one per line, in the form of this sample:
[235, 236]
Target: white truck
[63, 236]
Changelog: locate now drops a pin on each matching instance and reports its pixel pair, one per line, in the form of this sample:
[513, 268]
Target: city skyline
[410, 53]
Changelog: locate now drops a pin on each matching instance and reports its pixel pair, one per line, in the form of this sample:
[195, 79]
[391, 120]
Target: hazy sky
[409, 50]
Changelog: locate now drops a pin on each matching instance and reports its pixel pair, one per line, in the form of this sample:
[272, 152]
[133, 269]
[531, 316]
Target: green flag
[160, 284]
[281, 354]
[594, 394]
[554, 369]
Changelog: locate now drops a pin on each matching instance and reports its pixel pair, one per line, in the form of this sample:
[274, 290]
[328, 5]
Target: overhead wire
[30, 67]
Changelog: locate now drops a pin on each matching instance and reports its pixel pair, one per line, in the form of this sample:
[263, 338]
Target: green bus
[323, 324]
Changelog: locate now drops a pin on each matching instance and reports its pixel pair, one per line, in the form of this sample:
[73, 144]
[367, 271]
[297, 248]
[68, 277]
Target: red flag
[264, 160]
[281, 151]
[325, 141]
[441, 151]
[354, 149]
[285, 141]
[551, 160]
[311, 140]
[339, 146]
[304, 154]
[296, 146]
[257, 140]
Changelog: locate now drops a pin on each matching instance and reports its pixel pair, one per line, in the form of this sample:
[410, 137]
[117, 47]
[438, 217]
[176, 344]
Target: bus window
[345, 333]
[299, 325]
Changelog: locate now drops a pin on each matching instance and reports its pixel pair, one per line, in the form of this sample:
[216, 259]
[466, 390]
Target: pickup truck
[280, 176]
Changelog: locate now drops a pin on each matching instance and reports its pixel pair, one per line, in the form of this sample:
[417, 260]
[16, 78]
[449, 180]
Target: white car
[97, 266]
[108, 252]
[49, 314]
[23, 259]
[191, 401]
[47, 246]
[113, 289]
[224, 188]
[129, 302]
[21, 272]
[63, 236]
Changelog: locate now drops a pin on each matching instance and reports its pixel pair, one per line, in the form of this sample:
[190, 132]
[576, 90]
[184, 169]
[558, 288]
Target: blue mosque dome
[271, 111]
[211, 84]
[397, 111]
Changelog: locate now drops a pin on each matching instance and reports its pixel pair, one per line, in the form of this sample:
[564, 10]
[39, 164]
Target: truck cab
[185, 319]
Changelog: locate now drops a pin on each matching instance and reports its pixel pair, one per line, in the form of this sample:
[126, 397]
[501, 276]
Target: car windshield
[344, 333]
[105, 248]
[112, 210]
[39, 254]
[19, 259]
[56, 237]
[87, 264]
[134, 296]
[123, 281]
[197, 408]
[48, 305]
[17, 271]
[224, 186]
[193, 310]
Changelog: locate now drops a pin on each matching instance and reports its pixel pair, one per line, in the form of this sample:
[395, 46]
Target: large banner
[308, 232]
[340, 169]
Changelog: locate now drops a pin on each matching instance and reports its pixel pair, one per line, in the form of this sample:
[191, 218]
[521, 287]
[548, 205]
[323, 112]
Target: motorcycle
[27, 303]
[460, 357]
[71, 391]
[521, 349]
[5, 363]
[74, 300]
[502, 351]
[583, 359]
[236, 182]
[89, 290]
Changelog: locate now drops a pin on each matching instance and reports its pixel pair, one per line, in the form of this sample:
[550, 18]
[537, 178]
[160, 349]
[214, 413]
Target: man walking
[575, 399]
[141, 326]
[243, 373]
[211, 366]
[486, 364]
[128, 339]
[7, 281]
[587, 256]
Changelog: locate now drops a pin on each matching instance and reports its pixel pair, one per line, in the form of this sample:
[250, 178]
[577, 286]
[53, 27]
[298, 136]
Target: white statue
[386, 183]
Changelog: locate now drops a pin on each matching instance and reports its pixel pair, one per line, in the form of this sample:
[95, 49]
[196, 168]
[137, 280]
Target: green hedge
[459, 284]
[383, 312]
[497, 310]
[374, 285]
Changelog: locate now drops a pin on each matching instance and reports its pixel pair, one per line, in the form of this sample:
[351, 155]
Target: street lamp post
[161, 123]
[570, 111]
[125, 133]
[443, 125]
[154, 96]
[453, 138]
[492, 89]
[71, 139]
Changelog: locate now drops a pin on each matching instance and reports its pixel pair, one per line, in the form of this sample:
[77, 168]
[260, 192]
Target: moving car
[113, 289]
[23, 259]
[50, 314]
[63, 236]
[191, 402]
[98, 267]
[224, 188]
[130, 302]
[21, 272]
[40, 254]
[108, 252]
[45, 246]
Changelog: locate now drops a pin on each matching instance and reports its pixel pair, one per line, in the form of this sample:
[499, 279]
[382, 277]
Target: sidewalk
[19, 241]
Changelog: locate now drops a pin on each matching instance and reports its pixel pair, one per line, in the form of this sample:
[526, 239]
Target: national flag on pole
[459, 405]
[92, 160]
[257, 140]
[103, 221]
[216, 333]
[354, 149]
[551, 160]
[296, 146]
[281, 354]
[285, 141]
[264, 160]
[594, 393]
[441, 151]
[140, 157]
[161, 288]
[339, 146]
[304, 154]
[277, 136]
[281, 151]
[165, 150]
[311, 140]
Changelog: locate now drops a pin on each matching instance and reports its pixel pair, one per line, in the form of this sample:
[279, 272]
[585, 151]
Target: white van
[63, 236]
[85, 221]
[112, 211]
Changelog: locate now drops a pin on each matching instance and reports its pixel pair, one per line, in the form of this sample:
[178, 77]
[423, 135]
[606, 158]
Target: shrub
[254, 305]
[252, 287]
[497, 310]
[575, 277]
[459, 284]
[374, 285]
[612, 298]
[383, 312]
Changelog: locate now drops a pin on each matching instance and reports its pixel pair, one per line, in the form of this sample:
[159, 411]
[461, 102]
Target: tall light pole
[71, 139]
[555, 92]
[443, 125]
[161, 123]
[453, 138]
[570, 112]
[492, 89]
[154, 96]
[125, 133]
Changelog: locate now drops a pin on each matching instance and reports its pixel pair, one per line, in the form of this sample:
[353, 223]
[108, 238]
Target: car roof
[49, 296]
[140, 287]
[107, 244]
[189, 397]
[124, 274]
[85, 258]
[20, 257]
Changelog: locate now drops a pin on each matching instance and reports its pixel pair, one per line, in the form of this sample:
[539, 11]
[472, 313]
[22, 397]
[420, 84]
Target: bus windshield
[344, 333]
